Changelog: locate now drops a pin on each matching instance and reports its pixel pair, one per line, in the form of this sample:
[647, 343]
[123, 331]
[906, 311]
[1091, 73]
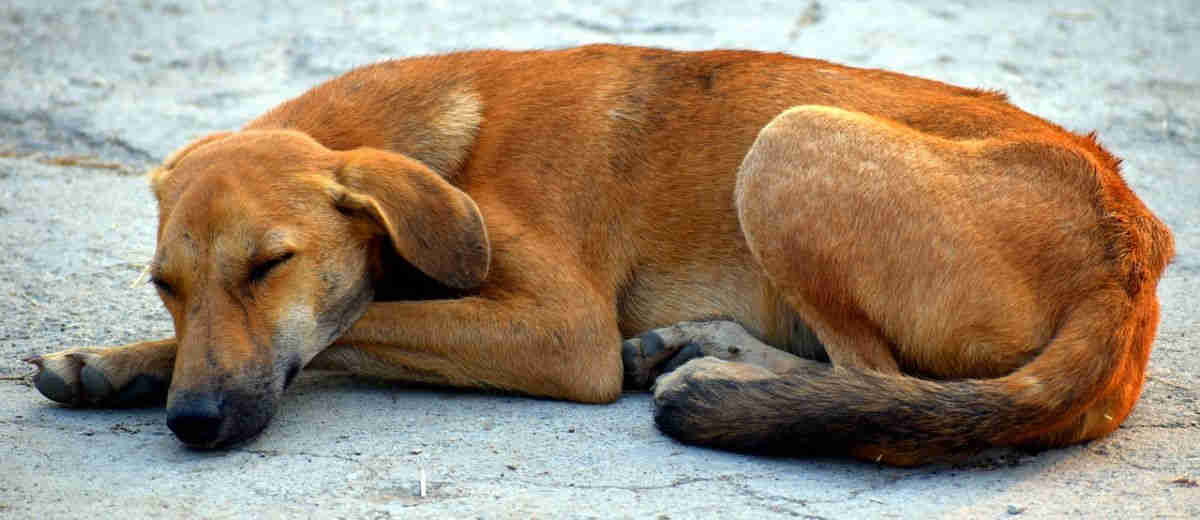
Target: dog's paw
[84, 377]
[705, 402]
[664, 350]
[705, 369]
[676, 381]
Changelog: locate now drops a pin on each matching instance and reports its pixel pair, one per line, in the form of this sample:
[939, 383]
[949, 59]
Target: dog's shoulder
[427, 108]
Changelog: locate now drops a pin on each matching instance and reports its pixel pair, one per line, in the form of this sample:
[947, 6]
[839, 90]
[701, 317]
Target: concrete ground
[95, 91]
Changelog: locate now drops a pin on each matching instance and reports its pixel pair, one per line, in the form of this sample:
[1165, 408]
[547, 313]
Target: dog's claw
[53, 386]
[49, 383]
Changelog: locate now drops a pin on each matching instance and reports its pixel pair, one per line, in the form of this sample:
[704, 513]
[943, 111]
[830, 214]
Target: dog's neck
[438, 128]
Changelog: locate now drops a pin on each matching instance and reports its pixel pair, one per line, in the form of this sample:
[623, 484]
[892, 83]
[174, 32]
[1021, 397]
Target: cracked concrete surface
[89, 85]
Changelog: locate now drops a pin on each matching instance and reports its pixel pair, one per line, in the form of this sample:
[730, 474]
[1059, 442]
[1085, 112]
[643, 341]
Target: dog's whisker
[142, 278]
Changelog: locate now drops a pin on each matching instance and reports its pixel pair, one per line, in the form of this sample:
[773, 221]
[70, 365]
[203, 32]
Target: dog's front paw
[86, 377]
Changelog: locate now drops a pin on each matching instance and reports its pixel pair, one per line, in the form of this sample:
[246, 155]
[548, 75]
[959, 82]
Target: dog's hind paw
[700, 402]
[80, 377]
[661, 351]
[704, 370]
[647, 356]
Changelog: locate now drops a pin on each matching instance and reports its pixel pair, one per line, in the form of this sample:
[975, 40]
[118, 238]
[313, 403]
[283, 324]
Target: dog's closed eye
[260, 271]
[162, 285]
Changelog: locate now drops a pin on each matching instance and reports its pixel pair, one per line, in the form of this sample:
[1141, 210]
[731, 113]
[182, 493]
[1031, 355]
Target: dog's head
[268, 249]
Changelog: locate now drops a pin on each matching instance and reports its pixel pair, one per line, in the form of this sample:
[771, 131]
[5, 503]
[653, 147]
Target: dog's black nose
[195, 419]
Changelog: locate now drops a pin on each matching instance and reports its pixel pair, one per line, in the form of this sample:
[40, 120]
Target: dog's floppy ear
[432, 224]
[160, 174]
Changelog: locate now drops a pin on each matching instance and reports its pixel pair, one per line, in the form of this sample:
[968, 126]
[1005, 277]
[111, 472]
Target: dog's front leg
[137, 374]
[552, 347]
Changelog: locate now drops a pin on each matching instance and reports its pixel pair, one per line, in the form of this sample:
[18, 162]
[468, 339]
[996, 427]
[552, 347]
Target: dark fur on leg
[829, 411]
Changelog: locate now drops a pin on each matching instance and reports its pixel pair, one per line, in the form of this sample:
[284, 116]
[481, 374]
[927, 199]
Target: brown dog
[976, 275]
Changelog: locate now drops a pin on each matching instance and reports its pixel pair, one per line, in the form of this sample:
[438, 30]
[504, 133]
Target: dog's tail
[1081, 386]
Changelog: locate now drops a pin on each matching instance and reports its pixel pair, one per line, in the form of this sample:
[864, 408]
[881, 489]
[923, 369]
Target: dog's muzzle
[218, 419]
[196, 419]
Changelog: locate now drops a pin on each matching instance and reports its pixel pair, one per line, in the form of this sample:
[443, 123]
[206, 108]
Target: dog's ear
[160, 174]
[432, 224]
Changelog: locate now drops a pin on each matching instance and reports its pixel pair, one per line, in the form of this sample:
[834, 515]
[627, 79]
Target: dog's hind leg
[137, 374]
[1010, 277]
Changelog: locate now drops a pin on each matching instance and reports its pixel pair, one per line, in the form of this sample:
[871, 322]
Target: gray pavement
[94, 92]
